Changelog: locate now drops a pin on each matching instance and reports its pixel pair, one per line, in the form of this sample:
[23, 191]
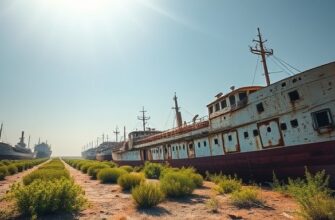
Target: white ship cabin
[230, 102]
[294, 111]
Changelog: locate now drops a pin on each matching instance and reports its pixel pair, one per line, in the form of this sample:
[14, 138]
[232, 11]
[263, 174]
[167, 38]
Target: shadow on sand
[154, 211]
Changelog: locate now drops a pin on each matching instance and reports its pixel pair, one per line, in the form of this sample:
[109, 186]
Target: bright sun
[86, 7]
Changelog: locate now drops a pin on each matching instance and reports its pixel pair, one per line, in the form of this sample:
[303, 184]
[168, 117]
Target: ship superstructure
[42, 150]
[20, 151]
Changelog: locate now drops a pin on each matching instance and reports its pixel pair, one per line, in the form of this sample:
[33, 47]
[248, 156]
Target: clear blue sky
[71, 70]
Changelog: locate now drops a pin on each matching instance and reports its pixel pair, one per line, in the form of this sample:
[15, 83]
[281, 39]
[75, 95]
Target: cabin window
[232, 100]
[322, 119]
[242, 95]
[160, 150]
[205, 143]
[183, 147]
[165, 150]
[294, 95]
[173, 148]
[217, 107]
[223, 104]
[190, 146]
[230, 138]
[179, 147]
[260, 107]
[246, 134]
[216, 141]
[268, 129]
[255, 132]
[283, 126]
[210, 109]
[294, 123]
[198, 144]
[283, 84]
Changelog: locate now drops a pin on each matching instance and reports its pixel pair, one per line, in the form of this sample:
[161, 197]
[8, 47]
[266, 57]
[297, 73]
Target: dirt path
[9, 180]
[107, 201]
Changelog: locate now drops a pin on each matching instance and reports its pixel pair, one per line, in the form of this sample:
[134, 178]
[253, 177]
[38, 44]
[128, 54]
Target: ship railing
[187, 127]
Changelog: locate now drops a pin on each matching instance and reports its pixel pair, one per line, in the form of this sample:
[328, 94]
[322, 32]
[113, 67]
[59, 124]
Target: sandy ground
[107, 201]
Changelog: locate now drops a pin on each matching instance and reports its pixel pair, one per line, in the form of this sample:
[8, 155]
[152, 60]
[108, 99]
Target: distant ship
[42, 150]
[104, 151]
[251, 131]
[20, 151]
[89, 154]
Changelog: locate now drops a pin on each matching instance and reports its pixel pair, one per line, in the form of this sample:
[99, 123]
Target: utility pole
[103, 138]
[259, 49]
[178, 113]
[143, 118]
[116, 132]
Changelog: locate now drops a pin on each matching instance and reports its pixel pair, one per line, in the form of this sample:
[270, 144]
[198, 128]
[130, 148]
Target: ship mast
[259, 49]
[143, 118]
[116, 132]
[178, 113]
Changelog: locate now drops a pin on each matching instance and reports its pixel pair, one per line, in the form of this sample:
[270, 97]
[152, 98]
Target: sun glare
[86, 7]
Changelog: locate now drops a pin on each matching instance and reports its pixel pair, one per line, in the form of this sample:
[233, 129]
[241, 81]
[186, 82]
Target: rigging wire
[168, 118]
[285, 66]
[188, 112]
[281, 67]
[296, 69]
[256, 67]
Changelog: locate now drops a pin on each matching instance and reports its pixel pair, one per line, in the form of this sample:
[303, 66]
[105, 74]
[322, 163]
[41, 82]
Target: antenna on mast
[116, 132]
[259, 49]
[178, 113]
[143, 118]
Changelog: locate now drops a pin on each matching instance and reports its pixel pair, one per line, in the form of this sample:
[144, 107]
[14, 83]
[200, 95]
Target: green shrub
[317, 207]
[110, 175]
[20, 167]
[190, 172]
[130, 180]
[313, 195]
[111, 164]
[45, 174]
[213, 204]
[228, 186]
[152, 170]
[84, 168]
[177, 184]
[2, 176]
[246, 198]
[138, 168]
[43, 197]
[4, 171]
[147, 195]
[93, 170]
[127, 168]
[12, 169]
[6, 162]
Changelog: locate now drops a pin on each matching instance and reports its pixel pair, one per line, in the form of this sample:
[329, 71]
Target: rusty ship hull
[259, 166]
